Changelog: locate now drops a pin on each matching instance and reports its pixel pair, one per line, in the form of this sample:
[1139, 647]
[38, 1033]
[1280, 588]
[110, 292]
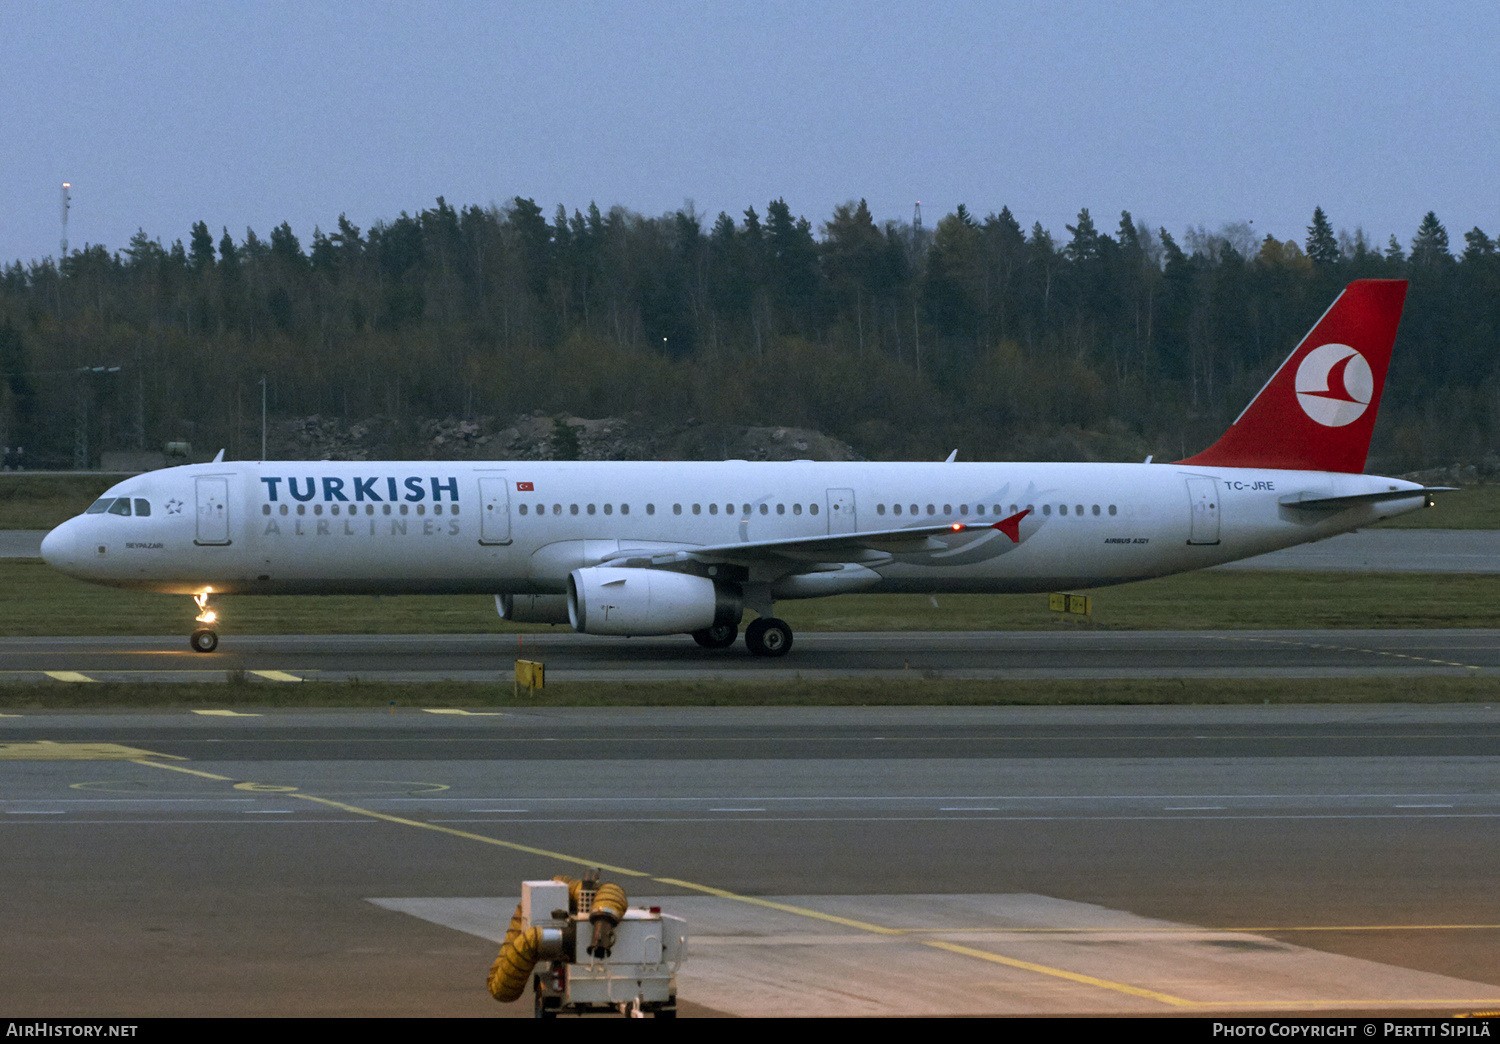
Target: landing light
[205, 614]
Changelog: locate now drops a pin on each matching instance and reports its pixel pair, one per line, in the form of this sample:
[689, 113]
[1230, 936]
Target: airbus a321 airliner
[656, 548]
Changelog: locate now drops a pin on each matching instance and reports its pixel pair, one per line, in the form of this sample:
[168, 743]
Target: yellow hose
[512, 968]
[518, 953]
[609, 902]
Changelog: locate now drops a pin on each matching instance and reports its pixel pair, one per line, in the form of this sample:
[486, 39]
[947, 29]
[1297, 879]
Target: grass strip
[36, 600]
[245, 695]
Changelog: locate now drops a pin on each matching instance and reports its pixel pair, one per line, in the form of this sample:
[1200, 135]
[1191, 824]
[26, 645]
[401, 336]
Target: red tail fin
[1318, 409]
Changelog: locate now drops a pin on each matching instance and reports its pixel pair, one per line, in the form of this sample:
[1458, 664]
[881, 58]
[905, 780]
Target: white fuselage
[521, 527]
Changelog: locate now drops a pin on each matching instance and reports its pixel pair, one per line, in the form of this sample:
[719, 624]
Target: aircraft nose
[60, 548]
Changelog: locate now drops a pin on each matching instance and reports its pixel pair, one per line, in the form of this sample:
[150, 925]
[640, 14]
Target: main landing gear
[720, 636]
[768, 636]
[205, 639]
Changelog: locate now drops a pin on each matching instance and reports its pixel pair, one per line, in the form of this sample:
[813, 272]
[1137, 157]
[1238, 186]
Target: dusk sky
[163, 114]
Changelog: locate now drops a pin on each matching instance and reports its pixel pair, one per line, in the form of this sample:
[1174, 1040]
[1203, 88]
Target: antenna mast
[66, 203]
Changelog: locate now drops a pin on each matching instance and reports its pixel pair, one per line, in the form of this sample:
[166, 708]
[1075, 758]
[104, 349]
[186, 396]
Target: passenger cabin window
[1111, 509]
[650, 509]
[697, 509]
[1096, 509]
[796, 509]
[609, 509]
[879, 509]
[523, 509]
[1046, 509]
[765, 509]
[812, 509]
[676, 509]
[624, 509]
[713, 509]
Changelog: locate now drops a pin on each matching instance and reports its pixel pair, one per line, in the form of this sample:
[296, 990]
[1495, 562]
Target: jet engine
[547, 609]
[624, 601]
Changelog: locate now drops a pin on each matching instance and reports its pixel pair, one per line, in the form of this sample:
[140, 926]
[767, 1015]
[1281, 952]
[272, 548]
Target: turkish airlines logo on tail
[1334, 385]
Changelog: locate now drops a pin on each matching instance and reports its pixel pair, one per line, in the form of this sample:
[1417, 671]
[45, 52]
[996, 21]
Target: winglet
[1318, 409]
[1011, 527]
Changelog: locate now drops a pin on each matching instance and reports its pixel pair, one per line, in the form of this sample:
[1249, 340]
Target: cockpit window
[142, 507]
[99, 507]
[121, 506]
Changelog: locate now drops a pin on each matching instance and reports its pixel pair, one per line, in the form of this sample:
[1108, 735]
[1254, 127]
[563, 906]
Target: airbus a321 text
[655, 548]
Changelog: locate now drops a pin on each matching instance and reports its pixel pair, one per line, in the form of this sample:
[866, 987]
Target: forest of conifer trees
[906, 342]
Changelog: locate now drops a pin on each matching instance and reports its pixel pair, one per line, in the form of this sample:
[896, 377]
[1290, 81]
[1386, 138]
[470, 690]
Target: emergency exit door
[841, 511]
[494, 510]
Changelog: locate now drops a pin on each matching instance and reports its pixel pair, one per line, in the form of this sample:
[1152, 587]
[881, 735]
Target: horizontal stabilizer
[1319, 502]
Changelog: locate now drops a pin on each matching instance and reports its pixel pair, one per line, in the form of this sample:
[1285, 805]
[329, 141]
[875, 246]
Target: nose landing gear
[204, 639]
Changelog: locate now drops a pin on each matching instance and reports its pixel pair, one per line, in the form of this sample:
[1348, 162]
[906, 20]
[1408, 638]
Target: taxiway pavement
[883, 861]
[1015, 655]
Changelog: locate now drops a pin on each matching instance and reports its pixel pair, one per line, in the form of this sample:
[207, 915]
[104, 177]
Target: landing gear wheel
[720, 636]
[768, 636]
[204, 640]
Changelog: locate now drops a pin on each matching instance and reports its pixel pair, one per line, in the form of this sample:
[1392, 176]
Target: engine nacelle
[547, 609]
[609, 600]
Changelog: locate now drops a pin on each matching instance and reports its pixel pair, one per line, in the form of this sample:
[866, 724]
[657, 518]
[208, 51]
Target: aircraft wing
[837, 547]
